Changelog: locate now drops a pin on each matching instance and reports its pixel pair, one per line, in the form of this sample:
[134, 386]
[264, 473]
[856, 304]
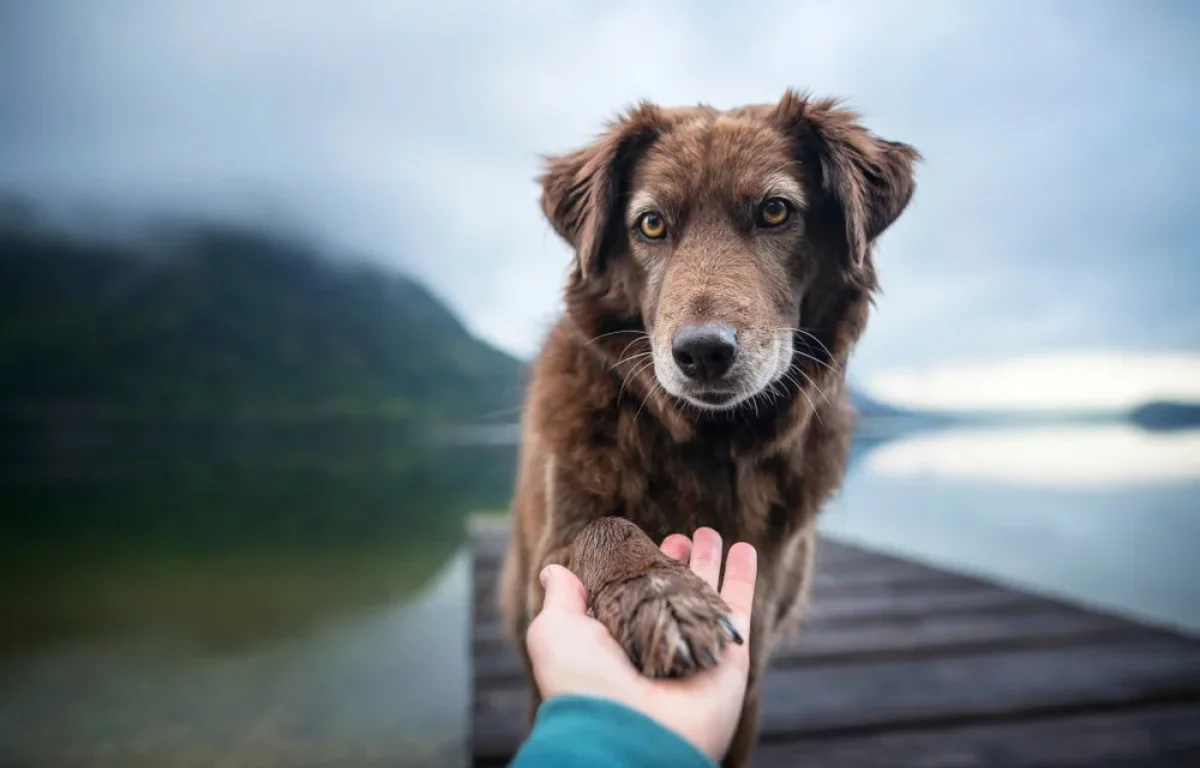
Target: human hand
[572, 653]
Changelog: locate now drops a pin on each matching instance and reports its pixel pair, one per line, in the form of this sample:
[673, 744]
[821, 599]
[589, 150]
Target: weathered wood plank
[807, 701]
[1155, 737]
[879, 581]
[867, 603]
[884, 602]
[883, 606]
[896, 586]
[822, 643]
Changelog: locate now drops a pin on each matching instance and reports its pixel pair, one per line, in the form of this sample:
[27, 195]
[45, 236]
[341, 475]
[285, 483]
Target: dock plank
[924, 666]
[868, 604]
[1123, 739]
[892, 694]
[821, 643]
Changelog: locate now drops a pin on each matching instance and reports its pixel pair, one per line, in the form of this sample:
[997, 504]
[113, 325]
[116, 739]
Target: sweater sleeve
[590, 732]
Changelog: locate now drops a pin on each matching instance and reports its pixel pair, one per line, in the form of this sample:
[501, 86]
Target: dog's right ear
[582, 191]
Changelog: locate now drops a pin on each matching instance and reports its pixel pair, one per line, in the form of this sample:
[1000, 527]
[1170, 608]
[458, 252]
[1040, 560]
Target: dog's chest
[682, 487]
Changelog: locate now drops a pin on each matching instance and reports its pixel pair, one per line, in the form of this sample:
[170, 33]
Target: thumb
[564, 591]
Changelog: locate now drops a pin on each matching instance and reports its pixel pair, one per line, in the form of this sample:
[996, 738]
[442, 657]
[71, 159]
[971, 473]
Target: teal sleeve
[589, 732]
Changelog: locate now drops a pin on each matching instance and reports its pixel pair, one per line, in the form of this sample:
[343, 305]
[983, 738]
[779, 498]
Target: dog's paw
[670, 622]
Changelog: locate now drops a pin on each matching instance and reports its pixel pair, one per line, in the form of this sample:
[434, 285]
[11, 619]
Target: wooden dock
[902, 664]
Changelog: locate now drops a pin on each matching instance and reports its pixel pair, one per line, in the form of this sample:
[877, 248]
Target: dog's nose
[705, 352]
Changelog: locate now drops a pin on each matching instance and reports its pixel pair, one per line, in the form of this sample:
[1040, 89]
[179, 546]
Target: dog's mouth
[715, 398]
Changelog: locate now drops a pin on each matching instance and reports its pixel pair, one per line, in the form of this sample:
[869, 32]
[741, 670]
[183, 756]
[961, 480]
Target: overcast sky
[1055, 212]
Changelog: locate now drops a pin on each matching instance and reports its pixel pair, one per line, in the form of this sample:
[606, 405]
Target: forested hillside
[218, 321]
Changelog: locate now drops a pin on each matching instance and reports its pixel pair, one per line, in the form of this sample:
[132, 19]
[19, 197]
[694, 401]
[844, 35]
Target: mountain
[220, 321]
[1163, 416]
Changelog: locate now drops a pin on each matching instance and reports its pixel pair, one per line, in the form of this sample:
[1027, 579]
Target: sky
[1052, 211]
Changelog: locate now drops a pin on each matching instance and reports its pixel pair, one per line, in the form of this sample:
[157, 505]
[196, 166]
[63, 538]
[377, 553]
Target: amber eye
[774, 212]
[652, 225]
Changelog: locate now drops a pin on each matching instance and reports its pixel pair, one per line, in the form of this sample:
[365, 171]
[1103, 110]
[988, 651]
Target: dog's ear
[866, 182]
[582, 191]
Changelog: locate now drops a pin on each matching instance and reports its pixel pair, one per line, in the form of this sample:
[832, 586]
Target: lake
[298, 599]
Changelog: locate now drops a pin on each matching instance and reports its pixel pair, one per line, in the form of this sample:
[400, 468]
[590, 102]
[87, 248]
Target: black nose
[705, 352]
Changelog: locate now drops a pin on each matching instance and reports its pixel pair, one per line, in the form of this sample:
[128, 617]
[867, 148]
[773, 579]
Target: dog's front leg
[564, 521]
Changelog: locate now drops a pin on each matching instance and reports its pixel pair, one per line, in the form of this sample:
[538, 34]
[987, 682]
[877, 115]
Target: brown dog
[723, 273]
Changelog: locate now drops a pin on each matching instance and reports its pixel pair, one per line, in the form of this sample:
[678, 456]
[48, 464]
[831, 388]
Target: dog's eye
[774, 212]
[652, 225]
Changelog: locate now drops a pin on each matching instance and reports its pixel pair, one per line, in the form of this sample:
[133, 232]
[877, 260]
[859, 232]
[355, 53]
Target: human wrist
[624, 732]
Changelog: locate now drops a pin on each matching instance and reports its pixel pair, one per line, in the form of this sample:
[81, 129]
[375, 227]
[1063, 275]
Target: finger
[564, 591]
[678, 546]
[741, 573]
[706, 555]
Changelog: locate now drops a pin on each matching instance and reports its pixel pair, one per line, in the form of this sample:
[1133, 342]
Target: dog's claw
[684, 665]
[732, 630]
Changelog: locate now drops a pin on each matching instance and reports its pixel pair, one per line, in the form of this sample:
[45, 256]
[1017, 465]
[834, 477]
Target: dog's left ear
[582, 190]
[867, 181]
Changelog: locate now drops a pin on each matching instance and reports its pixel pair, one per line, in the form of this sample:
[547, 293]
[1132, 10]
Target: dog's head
[717, 232]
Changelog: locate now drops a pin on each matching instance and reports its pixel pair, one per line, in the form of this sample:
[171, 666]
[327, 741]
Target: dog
[722, 274]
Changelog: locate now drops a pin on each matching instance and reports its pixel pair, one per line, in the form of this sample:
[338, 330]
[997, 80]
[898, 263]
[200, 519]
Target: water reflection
[385, 687]
[233, 594]
[1092, 457]
[1107, 515]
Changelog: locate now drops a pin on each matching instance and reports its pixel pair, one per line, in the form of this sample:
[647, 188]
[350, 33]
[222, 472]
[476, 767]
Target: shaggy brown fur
[674, 218]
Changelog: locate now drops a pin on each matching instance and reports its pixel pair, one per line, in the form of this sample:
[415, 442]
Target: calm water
[334, 634]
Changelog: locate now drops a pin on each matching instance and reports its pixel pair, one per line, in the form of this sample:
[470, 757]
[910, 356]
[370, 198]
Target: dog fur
[613, 430]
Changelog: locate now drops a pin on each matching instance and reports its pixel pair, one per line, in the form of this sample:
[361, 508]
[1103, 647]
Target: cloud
[1052, 210]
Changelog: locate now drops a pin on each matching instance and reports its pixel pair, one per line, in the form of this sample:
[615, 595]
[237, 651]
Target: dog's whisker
[624, 382]
[804, 392]
[630, 344]
[817, 387]
[816, 360]
[630, 359]
[631, 376]
[809, 334]
[831, 363]
[793, 381]
[594, 339]
[649, 393]
[621, 358]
